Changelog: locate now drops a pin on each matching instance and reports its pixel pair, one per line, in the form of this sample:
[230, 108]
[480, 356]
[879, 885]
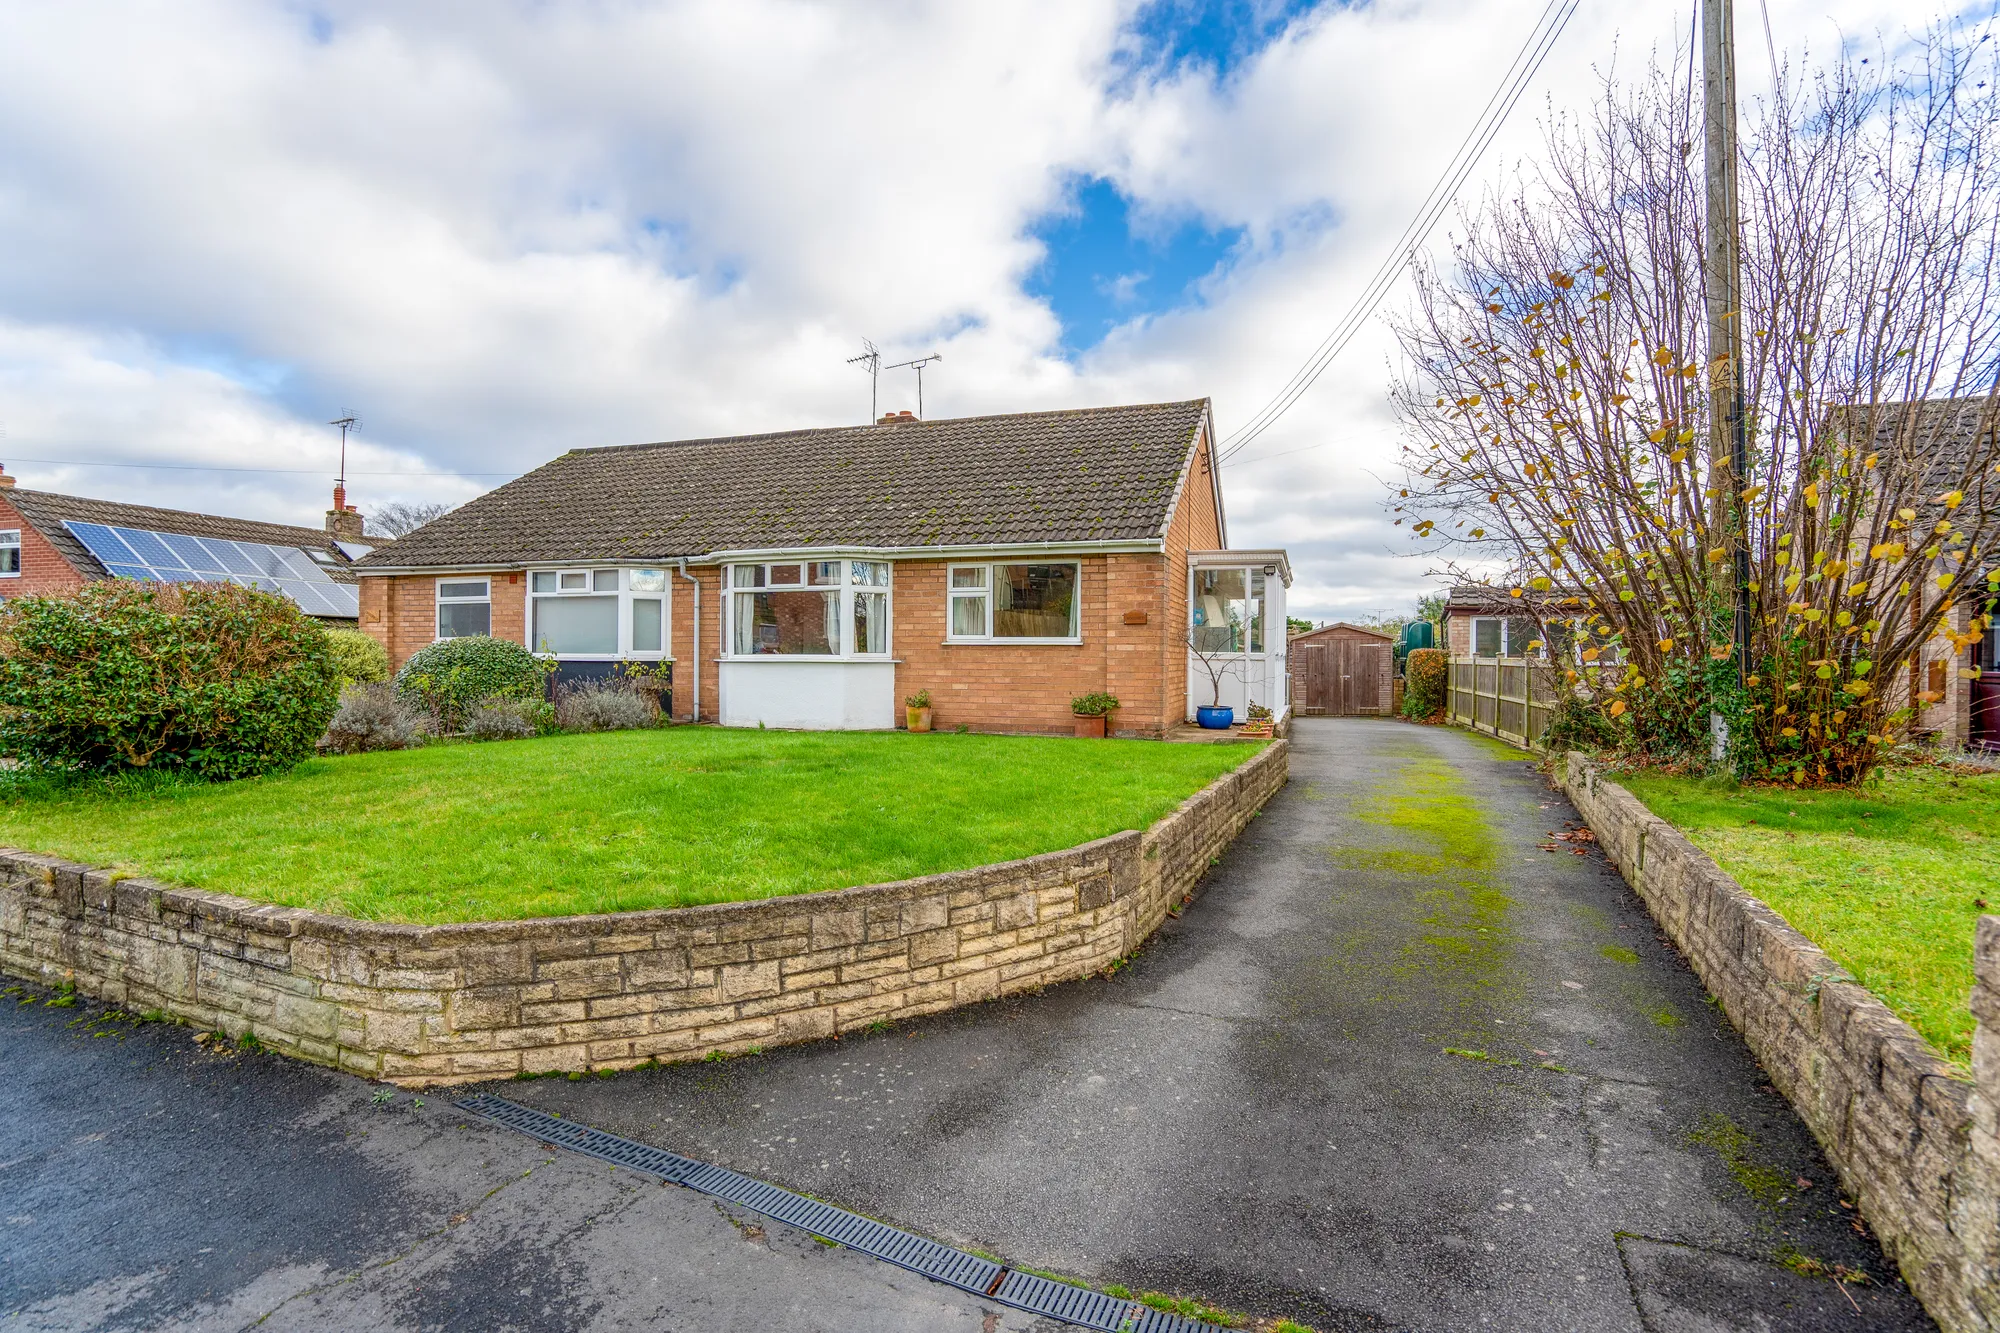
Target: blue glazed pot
[1215, 719]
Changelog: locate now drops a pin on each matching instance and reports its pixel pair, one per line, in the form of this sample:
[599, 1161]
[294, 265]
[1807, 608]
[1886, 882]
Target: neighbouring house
[817, 578]
[1959, 677]
[1342, 669]
[1483, 621]
[53, 543]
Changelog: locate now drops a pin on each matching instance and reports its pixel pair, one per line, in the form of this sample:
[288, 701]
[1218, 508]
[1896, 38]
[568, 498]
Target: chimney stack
[892, 418]
[6, 482]
[343, 521]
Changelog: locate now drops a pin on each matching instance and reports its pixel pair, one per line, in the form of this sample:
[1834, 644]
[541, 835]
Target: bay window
[798, 608]
[598, 613]
[1035, 602]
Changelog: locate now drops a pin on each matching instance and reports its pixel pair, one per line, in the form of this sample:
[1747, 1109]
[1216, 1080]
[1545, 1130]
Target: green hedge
[212, 679]
[448, 677]
[1426, 674]
[359, 659]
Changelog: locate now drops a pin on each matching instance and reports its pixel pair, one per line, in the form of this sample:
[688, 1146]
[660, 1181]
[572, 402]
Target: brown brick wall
[463, 1002]
[1914, 1144]
[400, 611]
[43, 568]
[1196, 525]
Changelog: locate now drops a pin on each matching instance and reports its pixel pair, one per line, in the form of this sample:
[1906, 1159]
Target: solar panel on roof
[176, 557]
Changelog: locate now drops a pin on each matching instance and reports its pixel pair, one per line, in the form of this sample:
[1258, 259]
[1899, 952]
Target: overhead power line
[1541, 40]
[287, 471]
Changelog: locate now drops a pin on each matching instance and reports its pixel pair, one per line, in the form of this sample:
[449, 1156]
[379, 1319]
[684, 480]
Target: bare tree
[400, 518]
[1556, 394]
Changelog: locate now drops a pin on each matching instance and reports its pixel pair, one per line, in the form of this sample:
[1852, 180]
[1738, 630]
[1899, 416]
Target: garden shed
[1341, 669]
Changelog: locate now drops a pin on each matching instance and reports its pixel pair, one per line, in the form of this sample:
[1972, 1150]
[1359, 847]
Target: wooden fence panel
[1513, 698]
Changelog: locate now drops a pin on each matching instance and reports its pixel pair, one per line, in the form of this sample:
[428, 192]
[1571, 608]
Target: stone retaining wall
[1916, 1146]
[439, 1004]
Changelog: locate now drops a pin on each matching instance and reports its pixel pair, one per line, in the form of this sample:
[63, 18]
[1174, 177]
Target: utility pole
[1728, 446]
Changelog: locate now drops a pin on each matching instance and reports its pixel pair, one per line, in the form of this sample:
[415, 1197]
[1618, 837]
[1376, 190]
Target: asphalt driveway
[1396, 1067]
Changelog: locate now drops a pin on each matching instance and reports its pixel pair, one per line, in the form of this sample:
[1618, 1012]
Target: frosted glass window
[577, 626]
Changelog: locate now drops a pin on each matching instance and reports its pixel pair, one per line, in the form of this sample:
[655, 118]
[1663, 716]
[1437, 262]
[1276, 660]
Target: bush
[445, 679]
[510, 719]
[371, 717]
[1579, 724]
[359, 659]
[604, 706]
[1094, 705]
[220, 681]
[1426, 674]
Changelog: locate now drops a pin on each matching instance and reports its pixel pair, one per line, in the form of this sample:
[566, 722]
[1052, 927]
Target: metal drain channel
[940, 1263]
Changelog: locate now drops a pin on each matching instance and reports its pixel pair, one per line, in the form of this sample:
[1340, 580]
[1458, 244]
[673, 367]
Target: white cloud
[501, 231]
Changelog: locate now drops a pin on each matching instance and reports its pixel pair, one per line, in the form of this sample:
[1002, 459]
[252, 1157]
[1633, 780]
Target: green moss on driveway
[1889, 880]
[619, 821]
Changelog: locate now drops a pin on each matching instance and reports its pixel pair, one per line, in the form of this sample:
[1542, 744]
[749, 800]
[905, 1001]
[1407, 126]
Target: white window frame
[1257, 590]
[1075, 612]
[439, 601]
[843, 583]
[626, 594]
[10, 540]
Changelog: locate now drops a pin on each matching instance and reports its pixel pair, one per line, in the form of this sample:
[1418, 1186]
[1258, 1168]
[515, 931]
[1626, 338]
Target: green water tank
[1419, 634]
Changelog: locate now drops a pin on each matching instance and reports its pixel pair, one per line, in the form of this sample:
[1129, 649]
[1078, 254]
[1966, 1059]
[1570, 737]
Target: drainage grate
[670, 1167]
[940, 1263]
[1060, 1300]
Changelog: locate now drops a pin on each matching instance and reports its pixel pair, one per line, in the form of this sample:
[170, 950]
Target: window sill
[876, 660]
[1013, 643]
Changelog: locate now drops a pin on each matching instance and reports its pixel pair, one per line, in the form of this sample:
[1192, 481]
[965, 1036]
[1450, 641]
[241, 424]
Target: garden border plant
[209, 679]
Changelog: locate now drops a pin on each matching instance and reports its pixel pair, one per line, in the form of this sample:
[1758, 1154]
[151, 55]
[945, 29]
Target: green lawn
[617, 821]
[1888, 880]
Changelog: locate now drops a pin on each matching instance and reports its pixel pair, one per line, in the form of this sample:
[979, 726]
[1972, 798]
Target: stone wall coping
[143, 896]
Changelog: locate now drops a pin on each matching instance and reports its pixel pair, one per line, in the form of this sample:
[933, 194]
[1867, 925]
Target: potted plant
[917, 711]
[1258, 721]
[1093, 713]
[1217, 662]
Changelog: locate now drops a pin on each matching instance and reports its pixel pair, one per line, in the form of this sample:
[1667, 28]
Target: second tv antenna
[918, 366]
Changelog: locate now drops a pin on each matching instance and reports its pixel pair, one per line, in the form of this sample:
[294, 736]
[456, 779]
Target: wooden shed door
[1339, 676]
[1361, 677]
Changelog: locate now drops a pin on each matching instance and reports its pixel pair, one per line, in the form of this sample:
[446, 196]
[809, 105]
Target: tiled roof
[1096, 474]
[1486, 599]
[46, 511]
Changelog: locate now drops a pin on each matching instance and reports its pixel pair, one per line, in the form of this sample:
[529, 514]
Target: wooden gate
[1339, 677]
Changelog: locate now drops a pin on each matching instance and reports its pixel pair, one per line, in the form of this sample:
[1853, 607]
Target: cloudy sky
[496, 231]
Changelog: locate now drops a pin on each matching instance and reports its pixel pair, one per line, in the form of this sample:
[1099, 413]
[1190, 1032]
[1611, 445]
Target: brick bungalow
[54, 543]
[815, 578]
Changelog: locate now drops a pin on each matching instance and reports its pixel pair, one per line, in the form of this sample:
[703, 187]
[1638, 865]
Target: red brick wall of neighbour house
[1458, 633]
[399, 611]
[43, 568]
[1196, 525]
[681, 640]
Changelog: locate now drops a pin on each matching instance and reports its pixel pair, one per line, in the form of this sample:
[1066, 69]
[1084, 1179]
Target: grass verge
[615, 821]
[1889, 879]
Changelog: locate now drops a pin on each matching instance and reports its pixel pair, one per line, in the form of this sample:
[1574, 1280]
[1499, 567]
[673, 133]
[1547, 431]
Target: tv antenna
[346, 423]
[872, 358]
[918, 366]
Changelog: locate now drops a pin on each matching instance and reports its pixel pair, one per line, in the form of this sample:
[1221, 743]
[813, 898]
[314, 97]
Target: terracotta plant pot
[918, 718]
[1089, 725]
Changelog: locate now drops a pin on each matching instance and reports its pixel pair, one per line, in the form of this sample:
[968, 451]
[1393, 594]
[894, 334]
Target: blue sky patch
[1103, 268]
[1221, 34]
